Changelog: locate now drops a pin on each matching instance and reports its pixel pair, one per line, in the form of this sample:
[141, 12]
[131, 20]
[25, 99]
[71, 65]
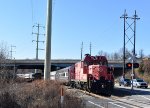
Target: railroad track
[115, 100]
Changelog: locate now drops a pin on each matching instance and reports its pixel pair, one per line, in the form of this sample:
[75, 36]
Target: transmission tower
[133, 29]
[11, 51]
[38, 26]
[37, 39]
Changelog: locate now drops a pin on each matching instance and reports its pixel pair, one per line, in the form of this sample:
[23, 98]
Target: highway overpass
[55, 63]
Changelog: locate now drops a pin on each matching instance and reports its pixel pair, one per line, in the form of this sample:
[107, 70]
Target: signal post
[125, 17]
[132, 66]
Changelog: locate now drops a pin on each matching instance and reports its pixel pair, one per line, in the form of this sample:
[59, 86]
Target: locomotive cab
[101, 77]
[92, 74]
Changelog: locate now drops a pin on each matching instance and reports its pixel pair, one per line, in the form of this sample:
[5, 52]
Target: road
[122, 97]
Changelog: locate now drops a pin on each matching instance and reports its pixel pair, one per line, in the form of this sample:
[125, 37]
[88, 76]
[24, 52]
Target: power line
[53, 3]
[32, 10]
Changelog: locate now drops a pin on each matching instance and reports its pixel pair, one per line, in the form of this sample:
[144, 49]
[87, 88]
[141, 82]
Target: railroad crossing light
[129, 65]
[136, 65]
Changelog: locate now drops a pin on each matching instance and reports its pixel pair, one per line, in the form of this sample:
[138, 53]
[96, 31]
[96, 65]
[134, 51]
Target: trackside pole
[132, 76]
[47, 64]
[62, 96]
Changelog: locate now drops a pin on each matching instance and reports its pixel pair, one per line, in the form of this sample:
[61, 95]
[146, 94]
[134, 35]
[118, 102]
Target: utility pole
[124, 16]
[47, 64]
[81, 50]
[90, 48]
[11, 51]
[14, 68]
[37, 40]
[135, 17]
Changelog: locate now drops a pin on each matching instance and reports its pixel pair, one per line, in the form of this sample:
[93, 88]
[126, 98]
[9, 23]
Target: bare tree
[116, 55]
[128, 53]
[5, 72]
[101, 53]
[3, 55]
[141, 54]
[146, 66]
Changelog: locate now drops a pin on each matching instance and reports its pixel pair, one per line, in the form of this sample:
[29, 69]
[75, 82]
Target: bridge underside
[54, 67]
[56, 64]
[38, 66]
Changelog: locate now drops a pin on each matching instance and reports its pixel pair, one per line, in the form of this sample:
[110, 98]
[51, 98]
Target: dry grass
[38, 94]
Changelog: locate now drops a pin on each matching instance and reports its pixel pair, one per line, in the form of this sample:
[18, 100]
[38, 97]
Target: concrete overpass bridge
[39, 64]
[55, 63]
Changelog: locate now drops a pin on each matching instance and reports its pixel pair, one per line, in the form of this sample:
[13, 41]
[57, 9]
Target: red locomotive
[92, 74]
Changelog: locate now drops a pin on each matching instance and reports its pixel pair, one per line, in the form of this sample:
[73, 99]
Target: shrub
[38, 94]
[8, 100]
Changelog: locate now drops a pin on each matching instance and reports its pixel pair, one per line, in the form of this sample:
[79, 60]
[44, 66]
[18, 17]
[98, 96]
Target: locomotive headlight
[109, 81]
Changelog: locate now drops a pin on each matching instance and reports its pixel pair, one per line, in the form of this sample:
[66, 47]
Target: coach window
[66, 74]
[63, 74]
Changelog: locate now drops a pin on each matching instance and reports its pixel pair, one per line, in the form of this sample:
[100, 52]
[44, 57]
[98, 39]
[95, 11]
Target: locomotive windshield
[86, 63]
[104, 63]
[95, 60]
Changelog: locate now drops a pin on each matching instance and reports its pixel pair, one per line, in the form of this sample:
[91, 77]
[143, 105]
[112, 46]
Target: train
[92, 74]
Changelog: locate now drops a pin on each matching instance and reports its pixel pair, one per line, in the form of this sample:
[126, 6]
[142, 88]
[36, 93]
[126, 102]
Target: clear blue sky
[74, 21]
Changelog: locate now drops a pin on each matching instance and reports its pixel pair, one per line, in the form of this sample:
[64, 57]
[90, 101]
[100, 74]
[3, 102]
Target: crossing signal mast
[133, 29]
[129, 65]
[133, 64]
